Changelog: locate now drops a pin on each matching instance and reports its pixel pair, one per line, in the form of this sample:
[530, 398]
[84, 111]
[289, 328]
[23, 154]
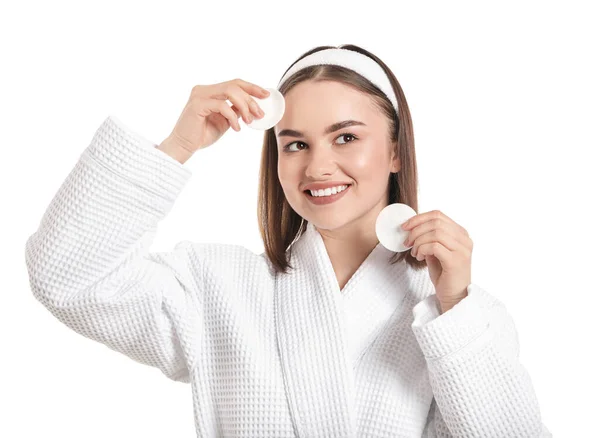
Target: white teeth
[328, 191]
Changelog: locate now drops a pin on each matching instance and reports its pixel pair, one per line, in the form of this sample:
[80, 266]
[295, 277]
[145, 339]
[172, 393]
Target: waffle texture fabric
[266, 354]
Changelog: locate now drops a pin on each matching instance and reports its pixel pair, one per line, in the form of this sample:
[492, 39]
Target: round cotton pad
[273, 105]
[388, 226]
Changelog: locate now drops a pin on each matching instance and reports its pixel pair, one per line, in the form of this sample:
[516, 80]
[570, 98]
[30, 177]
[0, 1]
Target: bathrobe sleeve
[89, 263]
[479, 386]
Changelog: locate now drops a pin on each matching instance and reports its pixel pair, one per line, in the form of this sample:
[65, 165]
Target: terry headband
[352, 60]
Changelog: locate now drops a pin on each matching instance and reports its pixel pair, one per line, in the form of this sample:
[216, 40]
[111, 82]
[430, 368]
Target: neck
[349, 245]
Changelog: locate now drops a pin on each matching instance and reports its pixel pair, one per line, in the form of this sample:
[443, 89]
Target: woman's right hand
[207, 115]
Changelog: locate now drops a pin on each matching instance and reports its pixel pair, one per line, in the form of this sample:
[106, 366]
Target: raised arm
[89, 262]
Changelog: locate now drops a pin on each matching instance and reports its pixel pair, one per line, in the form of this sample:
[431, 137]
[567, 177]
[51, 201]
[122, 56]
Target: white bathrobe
[267, 355]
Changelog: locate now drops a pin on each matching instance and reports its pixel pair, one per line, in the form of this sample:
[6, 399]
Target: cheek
[287, 175]
[368, 164]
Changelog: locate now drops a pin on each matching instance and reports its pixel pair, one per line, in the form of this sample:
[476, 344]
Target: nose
[320, 161]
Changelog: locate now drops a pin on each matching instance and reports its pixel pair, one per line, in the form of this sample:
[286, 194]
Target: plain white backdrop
[504, 100]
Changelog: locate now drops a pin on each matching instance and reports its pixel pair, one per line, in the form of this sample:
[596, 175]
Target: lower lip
[322, 200]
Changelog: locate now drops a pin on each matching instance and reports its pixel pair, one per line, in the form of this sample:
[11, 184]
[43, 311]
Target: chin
[328, 222]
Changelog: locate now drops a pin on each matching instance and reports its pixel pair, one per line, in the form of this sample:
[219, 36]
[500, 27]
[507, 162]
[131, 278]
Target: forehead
[313, 105]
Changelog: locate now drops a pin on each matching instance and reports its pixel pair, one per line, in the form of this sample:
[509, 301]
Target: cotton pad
[388, 226]
[273, 106]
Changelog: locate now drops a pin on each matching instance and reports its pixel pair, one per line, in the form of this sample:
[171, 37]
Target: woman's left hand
[447, 249]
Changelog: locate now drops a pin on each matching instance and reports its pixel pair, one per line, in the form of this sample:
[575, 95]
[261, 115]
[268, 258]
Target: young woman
[327, 333]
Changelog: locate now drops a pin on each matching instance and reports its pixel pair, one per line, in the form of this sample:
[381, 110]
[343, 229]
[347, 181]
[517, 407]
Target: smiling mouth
[324, 196]
[308, 192]
[324, 200]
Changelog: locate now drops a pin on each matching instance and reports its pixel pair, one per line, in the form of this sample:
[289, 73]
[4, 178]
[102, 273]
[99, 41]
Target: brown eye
[347, 134]
[287, 147]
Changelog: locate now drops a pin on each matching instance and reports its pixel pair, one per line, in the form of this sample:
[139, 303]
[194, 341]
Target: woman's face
[358, 155]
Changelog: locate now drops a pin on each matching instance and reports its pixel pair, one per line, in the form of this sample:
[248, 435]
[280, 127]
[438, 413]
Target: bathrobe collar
[323, 332]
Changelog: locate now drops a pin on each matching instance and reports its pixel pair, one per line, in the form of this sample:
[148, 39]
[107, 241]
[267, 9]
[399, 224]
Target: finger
[424, 217]
[435, 221]
[459, 228]
[223, 108]
[437, 235]
[422, 228]
[252, 89]
[229, 90]
[236, 111]
[448, 219]
[239, 113]
[435, 249]
[256, 109]
[241, 100]
[441, 227]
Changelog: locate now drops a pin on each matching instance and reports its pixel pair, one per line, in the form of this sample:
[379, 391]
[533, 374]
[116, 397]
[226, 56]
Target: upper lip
[325, 185]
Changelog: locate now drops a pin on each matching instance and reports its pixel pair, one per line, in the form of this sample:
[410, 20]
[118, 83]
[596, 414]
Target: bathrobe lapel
[323, 332]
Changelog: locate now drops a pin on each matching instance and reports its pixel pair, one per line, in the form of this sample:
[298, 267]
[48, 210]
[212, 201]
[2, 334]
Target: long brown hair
[278, 223]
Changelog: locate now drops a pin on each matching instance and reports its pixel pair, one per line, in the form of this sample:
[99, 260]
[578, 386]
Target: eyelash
[354, 138]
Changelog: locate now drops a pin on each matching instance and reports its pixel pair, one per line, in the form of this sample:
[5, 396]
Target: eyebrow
[335, 127]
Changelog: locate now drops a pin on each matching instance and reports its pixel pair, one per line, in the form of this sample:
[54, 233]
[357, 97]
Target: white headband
[356, 61]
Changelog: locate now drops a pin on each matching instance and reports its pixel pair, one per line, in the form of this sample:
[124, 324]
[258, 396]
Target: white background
[504, 99]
